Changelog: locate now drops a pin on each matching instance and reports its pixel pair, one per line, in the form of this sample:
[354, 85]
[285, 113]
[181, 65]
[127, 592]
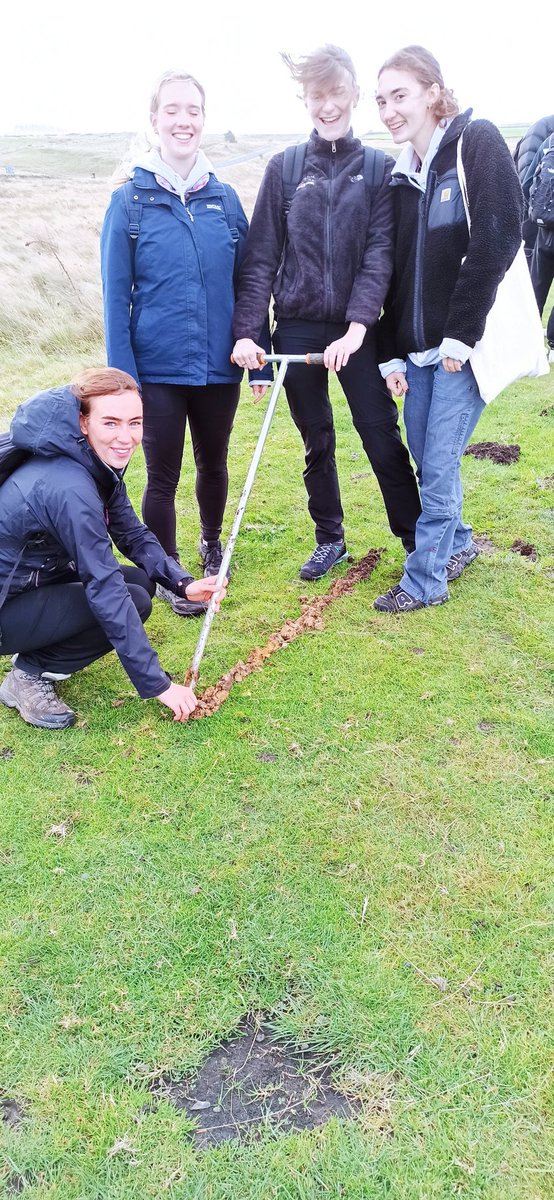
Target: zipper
[328, 253]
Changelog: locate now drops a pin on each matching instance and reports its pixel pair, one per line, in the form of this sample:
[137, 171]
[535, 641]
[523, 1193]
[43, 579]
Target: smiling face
[406, 108]
[113, 427]
[330, 105]
[179, 121]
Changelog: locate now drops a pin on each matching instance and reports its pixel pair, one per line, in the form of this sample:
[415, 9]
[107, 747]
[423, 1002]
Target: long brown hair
[424, 66]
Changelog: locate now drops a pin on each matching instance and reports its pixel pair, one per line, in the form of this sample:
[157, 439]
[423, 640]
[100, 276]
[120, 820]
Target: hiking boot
[180, 604]
[211, 555]
[396, 600]
[35, 700]
[325, 556]
[458, 562]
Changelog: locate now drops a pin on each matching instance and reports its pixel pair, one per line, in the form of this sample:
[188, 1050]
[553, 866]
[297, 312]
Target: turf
[358, 845]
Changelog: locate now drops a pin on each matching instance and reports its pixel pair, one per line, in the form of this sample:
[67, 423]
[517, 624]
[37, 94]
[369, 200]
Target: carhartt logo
[446, 194]
[217, 207]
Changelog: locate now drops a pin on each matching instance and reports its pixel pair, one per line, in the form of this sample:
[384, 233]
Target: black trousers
[375, 418]
[542, 275]
[52, 628]
[210, 412]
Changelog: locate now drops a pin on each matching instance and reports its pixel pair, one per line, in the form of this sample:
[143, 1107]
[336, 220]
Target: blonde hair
[101, 381]
[320, 68]
[425, 68]
[172, 77]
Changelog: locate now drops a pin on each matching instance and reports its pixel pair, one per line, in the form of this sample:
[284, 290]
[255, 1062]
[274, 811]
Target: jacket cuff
[452, 348]
[393, 365]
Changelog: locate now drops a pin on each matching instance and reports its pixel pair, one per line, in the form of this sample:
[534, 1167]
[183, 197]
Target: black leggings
[53, 629]
[210, 411]
[375, 418]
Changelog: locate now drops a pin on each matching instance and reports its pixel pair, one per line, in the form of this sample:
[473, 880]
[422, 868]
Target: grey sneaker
[458, 562]
[180, 604]
[35, 700]
[325, 556]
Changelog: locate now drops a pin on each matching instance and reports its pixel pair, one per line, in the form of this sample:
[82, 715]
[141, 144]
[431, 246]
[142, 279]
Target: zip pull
[189, 214]
[333, 147]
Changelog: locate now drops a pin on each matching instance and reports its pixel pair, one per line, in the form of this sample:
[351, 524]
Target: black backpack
[10, 456]
[541, 192]
[293, 170]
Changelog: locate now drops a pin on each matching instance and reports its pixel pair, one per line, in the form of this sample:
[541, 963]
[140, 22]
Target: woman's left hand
[258, 391]
[202, 590]
[337, 353]
[452, 364]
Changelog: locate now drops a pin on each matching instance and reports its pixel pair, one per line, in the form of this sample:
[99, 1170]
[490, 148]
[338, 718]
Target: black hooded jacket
[59, 514]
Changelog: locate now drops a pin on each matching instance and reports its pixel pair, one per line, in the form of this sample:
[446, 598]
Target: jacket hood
[48, 425]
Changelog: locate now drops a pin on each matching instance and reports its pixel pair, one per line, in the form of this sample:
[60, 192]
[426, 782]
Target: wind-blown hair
[321, 68]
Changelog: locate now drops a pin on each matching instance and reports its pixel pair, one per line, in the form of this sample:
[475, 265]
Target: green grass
[399, 844]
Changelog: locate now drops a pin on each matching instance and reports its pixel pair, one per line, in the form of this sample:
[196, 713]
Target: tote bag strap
[462, 178]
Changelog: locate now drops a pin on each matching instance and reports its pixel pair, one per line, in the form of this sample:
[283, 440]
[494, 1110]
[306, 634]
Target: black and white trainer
[35, 700]
[211, 555]
[325, 556]
[458, 562]
[396, 600]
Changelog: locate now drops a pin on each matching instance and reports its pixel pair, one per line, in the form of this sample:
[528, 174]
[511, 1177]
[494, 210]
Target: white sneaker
[551, 355]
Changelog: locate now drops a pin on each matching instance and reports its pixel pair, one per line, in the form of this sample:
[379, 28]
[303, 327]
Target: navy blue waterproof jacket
[169, 294]
[60, 512]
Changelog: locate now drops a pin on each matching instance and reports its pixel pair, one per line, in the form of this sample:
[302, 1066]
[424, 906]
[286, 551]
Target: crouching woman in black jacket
[65, 600]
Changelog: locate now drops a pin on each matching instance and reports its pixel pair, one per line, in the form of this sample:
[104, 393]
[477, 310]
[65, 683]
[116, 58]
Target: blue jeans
[441, 411]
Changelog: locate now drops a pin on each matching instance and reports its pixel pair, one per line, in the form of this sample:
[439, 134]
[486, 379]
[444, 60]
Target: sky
[91, 67]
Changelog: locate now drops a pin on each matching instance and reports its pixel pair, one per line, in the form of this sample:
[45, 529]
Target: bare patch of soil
[496, 451]
[256, 1080]
[526, 549]
[12, 1112]
[310, 618]
[484, 543]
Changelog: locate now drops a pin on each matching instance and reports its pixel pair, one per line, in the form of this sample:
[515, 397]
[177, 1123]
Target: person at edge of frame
[65, 600]
[444, 284]
[328, 264]
[171, 245]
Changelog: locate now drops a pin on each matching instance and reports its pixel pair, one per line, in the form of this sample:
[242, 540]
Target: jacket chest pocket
[447, 206]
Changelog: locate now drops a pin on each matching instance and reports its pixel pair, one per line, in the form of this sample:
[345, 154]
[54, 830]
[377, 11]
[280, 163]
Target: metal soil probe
[283, 360]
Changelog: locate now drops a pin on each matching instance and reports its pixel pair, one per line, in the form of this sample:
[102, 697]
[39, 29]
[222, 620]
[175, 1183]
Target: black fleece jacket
[444, 281]
[331, 259]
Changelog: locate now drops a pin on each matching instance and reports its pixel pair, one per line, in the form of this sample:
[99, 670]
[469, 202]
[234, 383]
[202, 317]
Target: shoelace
[322, 550]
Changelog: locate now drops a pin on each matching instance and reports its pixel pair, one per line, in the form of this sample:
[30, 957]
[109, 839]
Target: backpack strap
[292, 172]
[374, 167]
[230, 206]
[134, 209]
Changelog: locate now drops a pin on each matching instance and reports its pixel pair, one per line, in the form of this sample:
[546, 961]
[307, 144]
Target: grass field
[358, 845]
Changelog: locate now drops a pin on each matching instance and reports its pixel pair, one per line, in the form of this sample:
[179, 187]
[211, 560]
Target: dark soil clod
[496, 451]
[526, 549]
[310, 618]
[254, 1080]
[484, 543]
[12, 1112]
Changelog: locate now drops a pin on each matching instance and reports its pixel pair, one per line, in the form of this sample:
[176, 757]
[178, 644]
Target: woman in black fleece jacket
[328, 265]
[444, 285]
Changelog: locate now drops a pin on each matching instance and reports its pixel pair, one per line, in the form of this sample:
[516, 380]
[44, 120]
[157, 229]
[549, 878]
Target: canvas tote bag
[512, 345]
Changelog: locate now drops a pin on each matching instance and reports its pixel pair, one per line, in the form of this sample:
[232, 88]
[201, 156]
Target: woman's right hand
[397, 383]
[247, 354]
[181, 700]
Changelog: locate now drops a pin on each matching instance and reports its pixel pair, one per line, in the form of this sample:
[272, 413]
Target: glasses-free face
[113, 427]
[406, 108]
[179, 122]
[330, 105]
